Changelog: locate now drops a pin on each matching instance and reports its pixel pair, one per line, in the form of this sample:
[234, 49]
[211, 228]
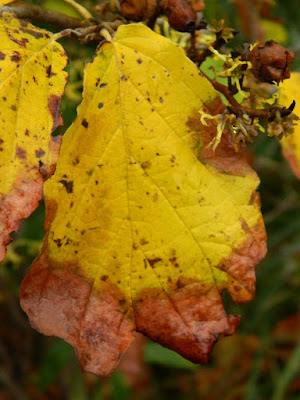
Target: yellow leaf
[275, 31]
[141, 234]
[32, 82]
[4, 2]
[291, 144]
[62, 7]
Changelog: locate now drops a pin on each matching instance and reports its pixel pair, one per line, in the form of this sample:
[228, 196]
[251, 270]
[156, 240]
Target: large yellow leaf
[32, 82]
[291, 144]
[141, 234]
[4, 2]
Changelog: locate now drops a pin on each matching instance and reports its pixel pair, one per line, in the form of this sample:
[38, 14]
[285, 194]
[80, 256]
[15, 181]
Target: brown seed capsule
[182, 14]
[138, 10]
[198, 5]
[270, 62]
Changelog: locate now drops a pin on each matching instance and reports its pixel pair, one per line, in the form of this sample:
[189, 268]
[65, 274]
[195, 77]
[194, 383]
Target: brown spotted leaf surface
[145, 226]
[32, 81]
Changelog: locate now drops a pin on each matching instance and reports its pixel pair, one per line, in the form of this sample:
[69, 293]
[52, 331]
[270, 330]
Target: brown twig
[88, 33]
[198, 58]
[192, 52]
[38, 13]
[265, 12]
[235, 108]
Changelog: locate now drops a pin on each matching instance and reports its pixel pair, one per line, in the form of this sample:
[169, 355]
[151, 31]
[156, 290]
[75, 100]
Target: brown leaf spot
[35, 34]
[48, 71]
[174, 262]
[54, 106]
[39, 153]
[146, 164]
[76, 161]
[15, 57]
[84, 123]
[2, 56]
[21, 153]
[68, 185]
[153, 261]
[47, 170]
[155, 197]
[57, 242]
[254, 199]
[143, 242]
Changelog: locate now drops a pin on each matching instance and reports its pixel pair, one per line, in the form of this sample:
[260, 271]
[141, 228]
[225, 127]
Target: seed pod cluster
[138, 10]
[182, 14]
[270, 62]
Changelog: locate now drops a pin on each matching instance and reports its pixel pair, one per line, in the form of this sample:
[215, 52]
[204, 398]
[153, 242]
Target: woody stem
[38, 13]
[235, 107]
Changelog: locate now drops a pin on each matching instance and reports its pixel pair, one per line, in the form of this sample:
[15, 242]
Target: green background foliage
[262, 360]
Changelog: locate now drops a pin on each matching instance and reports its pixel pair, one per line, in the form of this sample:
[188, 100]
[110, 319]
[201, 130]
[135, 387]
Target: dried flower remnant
[281, 127]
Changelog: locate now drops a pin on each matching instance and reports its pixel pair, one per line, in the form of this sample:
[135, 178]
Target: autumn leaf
[145, 225]
[291, 143]
[4, 2]
[32, 83]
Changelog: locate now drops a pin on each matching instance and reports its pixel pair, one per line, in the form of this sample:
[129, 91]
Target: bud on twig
[182, 14]
[270, 62]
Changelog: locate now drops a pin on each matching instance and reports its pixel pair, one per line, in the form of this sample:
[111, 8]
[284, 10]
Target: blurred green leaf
[156, 354]
[120, 390]
[291, 369]
[62, 7]
[53, 362]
